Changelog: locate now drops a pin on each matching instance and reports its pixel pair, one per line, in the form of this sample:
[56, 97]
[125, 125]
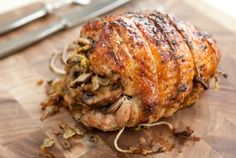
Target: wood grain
[15, 122]
[21, 132]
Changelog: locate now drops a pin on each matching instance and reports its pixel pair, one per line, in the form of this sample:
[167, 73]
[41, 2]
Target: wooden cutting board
[21, 131]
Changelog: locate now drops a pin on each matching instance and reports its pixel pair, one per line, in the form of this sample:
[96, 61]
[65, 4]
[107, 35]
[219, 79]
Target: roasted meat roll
[135, 68]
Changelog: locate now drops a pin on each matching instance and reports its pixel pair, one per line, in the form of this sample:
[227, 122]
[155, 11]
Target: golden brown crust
[181, 54]
[159, 60]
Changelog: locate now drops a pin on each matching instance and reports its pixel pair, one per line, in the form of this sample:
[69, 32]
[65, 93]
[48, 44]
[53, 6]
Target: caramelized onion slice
[83, 41]
[53, 64]
[81, 79]
[97, 81]
[65, 53]
[82, 49]
[80, 59]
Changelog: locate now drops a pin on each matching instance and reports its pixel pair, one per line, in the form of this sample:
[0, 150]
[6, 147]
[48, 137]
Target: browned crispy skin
[164, 64]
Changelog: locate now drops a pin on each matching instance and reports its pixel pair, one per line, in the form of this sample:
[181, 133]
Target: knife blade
[67, 20]
[37, 13]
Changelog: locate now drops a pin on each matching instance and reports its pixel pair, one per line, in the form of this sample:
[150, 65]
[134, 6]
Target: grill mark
[140, 23]
[211, 43]
[164, 55]
[141, 43]
[142, 34]
[149, 108]
[165, 30]
[152, 36]
[125, 54]
[186, 40]
[212, 51]
[107, 42]
[206, 67]
[182, 31]
[128, 28]
[203, 68]
[112, 54]
[124, 43]
[147, 44]
[96, 27]
[177, 40]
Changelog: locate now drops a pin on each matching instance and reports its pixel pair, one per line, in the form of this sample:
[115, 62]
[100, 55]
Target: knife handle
[25, 18]
[21, 42]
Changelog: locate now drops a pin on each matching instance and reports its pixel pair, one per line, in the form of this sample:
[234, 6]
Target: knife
[38, 13]
[67, 20]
